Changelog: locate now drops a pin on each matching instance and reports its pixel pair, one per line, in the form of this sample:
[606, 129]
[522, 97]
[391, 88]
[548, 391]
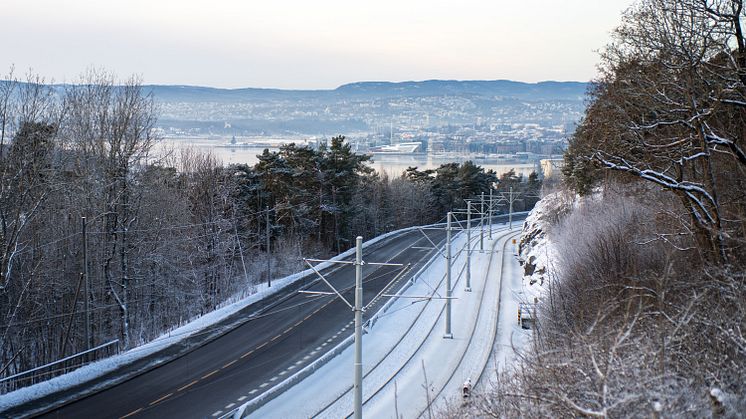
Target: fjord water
[392, 164]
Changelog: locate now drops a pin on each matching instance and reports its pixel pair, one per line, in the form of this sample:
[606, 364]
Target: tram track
[482, 365]
[408, 363]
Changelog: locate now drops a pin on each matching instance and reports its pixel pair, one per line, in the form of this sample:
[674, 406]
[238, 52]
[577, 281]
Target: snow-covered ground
[407, 343]
[178, 335]
[509, 336]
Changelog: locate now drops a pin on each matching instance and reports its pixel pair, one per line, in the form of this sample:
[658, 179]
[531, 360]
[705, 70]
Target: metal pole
[269, 254]
[490, 211]
[468, 245]
[448, 334]
[359, 328]
[510, 211]
[481, 223]
[87, 288]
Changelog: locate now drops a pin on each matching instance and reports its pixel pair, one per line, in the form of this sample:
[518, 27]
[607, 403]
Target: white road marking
[230, 405]
[253, 391]
[216, 414]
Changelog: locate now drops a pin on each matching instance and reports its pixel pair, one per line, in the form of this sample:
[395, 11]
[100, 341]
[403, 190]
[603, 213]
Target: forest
[106, 238]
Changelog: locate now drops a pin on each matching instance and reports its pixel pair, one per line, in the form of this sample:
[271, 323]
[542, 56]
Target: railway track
[325, 411]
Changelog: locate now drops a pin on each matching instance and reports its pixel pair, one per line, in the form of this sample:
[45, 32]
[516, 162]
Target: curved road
[250, 359]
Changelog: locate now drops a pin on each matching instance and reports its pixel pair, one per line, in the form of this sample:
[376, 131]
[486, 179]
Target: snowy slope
[536, 252]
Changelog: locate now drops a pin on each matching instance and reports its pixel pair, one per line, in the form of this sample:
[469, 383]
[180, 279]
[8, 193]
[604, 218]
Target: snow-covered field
[407, 343]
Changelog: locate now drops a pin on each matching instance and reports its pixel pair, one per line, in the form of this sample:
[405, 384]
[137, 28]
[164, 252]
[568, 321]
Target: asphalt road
[255, 356]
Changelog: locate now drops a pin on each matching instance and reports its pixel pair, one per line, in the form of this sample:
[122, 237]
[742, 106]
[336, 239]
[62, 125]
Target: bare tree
[28, 116]
[667, 109]
[113, 126]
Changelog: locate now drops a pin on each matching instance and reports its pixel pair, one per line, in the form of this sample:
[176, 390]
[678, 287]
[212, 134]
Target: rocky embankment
[535, 250]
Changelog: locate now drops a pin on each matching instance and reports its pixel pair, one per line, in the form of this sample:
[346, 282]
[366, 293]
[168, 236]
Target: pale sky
[307, 44]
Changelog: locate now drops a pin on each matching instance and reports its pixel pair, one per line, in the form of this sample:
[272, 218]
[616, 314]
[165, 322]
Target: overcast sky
[308, 44]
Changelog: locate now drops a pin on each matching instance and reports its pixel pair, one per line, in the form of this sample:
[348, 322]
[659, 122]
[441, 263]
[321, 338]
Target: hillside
[370, 108]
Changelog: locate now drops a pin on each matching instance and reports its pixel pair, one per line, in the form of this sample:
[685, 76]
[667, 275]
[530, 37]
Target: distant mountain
[165, 93]
[542, 91]
[548, 90]
[365, 107]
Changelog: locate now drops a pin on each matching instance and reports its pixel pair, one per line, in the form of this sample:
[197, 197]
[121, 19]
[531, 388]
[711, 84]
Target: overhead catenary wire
[367, 279]
[180, 240]
[207, 223]
[212, 328]
[387, 314]
[205, 330]
[30, 248]
[27, 248]
[310, 300]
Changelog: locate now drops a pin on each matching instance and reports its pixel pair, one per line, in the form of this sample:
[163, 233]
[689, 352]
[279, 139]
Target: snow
[536, 251]
[717, 394]
[207, 321]
[408, 337]
[510, 337]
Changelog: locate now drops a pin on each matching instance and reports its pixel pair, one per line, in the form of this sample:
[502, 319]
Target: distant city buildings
[446, 123]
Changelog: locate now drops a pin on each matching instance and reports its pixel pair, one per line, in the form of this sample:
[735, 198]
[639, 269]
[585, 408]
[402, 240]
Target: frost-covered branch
[690, 189]
[737, 151]
[660, 124]
[583, 410]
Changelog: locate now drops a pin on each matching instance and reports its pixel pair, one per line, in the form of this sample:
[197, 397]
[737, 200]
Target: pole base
[448, 336]
[467, 289]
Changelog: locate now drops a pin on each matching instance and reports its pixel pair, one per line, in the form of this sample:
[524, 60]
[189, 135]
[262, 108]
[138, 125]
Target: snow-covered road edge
[169, 339]
[257, 402]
